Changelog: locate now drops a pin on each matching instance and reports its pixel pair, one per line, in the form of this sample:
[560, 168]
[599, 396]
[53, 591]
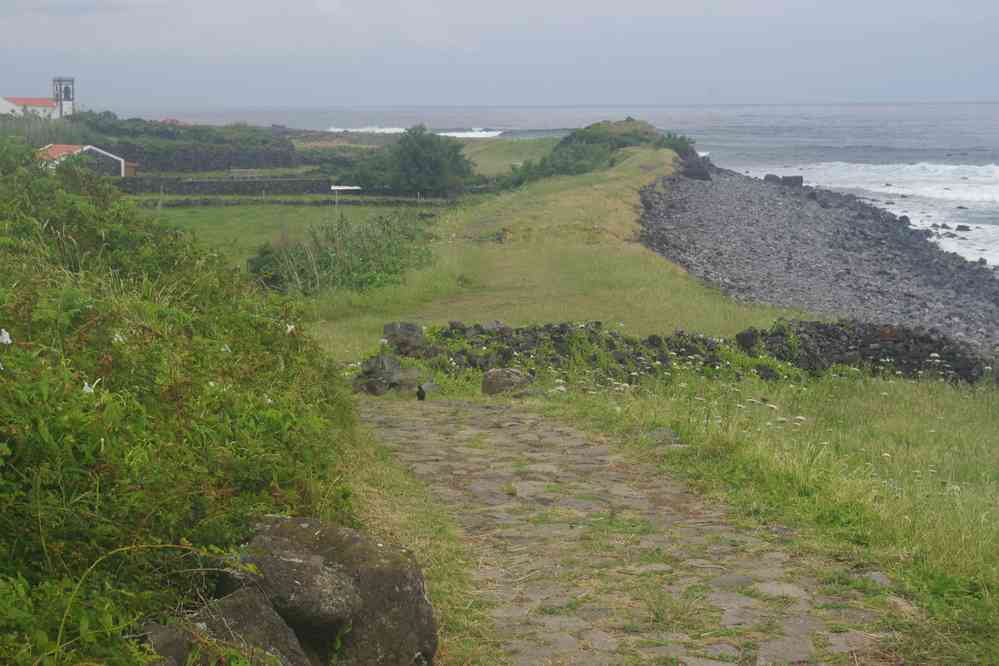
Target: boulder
[748, 340]
[247, 619]
[696, 168]
[792, 181]
[378, 375]
[336, 586]
[500, 380]
[244, 620]
[405, 337]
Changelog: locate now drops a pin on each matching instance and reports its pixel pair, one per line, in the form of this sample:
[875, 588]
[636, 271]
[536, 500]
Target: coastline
[821, 251]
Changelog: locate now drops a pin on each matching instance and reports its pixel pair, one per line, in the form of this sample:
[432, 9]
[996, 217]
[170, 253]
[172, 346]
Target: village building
[100, 161]
[60, 105]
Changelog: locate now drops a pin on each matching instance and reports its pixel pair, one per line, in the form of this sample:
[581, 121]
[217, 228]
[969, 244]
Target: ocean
[936, 163]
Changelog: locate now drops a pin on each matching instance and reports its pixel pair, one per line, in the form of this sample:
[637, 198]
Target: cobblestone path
[591, 557]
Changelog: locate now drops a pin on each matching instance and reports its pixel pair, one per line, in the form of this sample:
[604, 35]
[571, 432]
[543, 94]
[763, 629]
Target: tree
[425, 162]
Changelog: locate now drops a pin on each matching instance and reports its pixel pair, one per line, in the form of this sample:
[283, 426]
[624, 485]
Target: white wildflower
[88, 387]
[383, 341]
[289, 328]
[5, 337]
[118, 338]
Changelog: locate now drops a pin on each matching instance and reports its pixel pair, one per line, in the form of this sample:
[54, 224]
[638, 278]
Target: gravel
[819, 251]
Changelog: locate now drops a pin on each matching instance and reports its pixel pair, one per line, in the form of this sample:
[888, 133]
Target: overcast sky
[179, 54]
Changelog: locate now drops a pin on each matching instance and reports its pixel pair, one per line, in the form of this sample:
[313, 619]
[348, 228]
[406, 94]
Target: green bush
[593, 147]
[347, 255]
[420, 162]
[152, 402]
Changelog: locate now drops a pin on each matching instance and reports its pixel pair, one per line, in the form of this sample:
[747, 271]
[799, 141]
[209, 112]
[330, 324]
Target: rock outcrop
[307, 590]
[503, 380]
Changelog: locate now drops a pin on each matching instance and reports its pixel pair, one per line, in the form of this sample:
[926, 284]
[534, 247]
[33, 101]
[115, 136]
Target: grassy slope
[493, 157]
[890, 475]
[569, 253]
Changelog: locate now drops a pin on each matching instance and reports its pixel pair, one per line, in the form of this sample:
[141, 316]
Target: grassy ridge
[569, 250]
[494, 157]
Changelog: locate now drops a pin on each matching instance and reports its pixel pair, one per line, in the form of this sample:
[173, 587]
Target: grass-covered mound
[595, 147]
[152, 402]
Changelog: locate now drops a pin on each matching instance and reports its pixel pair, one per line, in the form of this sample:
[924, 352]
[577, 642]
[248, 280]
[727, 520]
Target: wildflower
[5, 337]
[1, 367]
[88, 387]
[118, 338]
[289, 329]
[886, 455]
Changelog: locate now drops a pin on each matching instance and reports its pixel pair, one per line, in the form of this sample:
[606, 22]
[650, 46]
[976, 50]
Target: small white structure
[337, 189]
[60, 105]
[57, 152]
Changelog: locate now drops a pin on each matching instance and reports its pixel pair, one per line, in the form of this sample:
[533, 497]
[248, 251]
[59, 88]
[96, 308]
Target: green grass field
[883, 473]
[494, 157]
[240, 230]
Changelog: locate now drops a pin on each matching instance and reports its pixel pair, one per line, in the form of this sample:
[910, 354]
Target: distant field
[493, 157]
[241, 230]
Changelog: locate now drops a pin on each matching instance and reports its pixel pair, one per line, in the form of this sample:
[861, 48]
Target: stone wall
[216, 187]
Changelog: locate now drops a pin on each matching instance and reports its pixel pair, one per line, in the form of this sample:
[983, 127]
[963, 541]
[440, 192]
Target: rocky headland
[778, 242]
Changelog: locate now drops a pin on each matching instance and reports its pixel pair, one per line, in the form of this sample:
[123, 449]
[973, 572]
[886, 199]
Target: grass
[890, 475]
[494, 157]
[240, 230]
[569, 252]
[879, 474]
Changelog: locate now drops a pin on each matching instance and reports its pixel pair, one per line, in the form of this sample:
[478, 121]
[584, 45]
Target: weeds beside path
[588, 556]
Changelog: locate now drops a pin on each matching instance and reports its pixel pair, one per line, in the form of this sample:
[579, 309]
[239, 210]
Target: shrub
[346, 255]
[420, 162]
[593, 147]
[152, 403]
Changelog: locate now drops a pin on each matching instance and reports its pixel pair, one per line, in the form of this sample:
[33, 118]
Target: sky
[144, 55]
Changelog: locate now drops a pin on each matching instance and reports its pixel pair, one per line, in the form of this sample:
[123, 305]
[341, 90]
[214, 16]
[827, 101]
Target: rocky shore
[781, 243]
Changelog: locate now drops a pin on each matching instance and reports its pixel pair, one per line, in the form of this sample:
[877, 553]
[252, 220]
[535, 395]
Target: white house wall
[7, 107]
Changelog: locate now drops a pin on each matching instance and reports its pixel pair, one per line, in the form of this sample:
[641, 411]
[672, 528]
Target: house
[99, 160]
[26, 106]
[60, 105]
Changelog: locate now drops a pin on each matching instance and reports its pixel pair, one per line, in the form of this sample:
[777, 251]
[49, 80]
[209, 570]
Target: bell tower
[64, 94]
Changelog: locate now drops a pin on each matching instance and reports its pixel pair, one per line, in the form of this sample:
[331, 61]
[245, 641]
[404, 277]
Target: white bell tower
[64, 94]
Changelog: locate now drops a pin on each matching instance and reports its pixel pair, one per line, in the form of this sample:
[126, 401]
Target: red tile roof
[57, 151]
[31, 101]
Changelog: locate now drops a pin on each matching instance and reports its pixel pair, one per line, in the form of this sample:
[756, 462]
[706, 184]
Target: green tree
[423, 162]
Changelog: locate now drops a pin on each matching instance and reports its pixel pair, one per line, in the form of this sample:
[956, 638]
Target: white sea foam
[368, 130]
[951, 182]
[475, 133]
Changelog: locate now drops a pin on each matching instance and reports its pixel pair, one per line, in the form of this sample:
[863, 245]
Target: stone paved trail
[592, 558]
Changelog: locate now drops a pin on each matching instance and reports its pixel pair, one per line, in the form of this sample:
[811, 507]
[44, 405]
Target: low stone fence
[221, 187]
